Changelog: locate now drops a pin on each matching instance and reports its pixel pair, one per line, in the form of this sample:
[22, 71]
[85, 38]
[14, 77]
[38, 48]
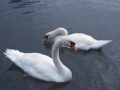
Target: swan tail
[12, 54]
[100, 43]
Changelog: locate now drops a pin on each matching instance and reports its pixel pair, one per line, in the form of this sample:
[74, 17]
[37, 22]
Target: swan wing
[86, 42]
[80, 37]
[36, 65]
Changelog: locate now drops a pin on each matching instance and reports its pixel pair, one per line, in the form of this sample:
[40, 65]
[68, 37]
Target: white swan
[41, 66]
[83, 41]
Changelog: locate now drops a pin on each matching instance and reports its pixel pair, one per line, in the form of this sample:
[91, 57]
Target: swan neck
[61, 31]
[55, 56]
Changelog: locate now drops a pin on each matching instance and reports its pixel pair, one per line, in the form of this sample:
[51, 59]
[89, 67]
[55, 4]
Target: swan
[41, 66]
[83, 41]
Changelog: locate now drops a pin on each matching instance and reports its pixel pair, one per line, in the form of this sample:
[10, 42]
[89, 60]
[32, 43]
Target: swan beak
[73, 47]
[44, 39]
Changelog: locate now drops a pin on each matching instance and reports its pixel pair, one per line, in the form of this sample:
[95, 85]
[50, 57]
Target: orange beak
[44, 39]
[73, 47]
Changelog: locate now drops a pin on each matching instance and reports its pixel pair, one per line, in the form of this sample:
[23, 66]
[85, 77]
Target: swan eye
[46, 36]
[72, 43]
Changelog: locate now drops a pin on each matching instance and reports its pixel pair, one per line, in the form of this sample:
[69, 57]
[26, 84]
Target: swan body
[83, 41]
[41, 66]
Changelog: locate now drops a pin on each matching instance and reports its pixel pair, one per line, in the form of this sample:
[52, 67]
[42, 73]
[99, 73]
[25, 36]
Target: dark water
[23, 23]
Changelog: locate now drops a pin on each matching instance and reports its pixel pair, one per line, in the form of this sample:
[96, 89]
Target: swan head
[54, 33]
[64, 40]
[48, 35]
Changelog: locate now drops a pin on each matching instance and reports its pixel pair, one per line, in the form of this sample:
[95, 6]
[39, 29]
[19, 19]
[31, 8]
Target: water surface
[23, 23]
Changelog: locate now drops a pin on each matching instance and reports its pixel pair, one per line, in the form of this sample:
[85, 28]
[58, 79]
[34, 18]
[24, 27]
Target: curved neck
[62, 31]
[55, 56]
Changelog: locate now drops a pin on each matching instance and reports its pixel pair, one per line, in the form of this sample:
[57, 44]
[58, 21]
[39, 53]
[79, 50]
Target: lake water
[23, 23]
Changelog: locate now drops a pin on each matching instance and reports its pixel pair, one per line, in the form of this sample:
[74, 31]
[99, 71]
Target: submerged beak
[73, 47]
[44, 39]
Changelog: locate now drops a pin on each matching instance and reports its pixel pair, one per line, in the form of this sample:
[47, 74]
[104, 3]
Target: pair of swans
[52, 69]
[83, 41]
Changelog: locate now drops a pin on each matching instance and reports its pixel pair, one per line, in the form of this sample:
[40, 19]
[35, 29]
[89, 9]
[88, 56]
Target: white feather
[83, 41]
[41, 66]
